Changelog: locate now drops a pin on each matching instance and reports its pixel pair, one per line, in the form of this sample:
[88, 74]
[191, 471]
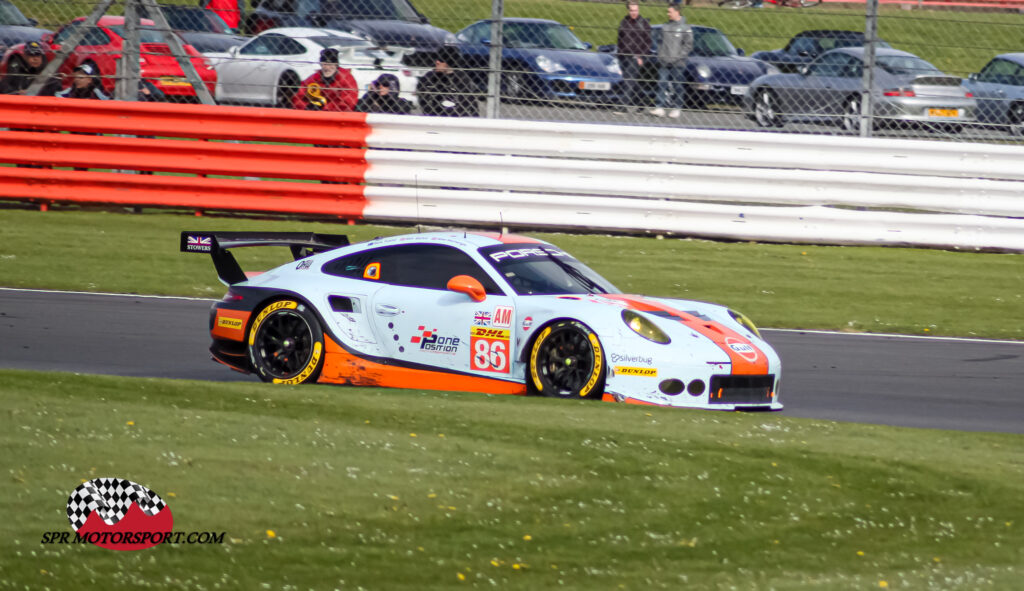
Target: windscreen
[147, 33]
[712, 43]
[542, 269]
[901, 65]
[10, 15]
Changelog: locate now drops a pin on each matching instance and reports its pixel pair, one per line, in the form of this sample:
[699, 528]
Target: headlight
[644, 327]
[703, 71]
[614, 67]
[547, 64]
[744, 322]
[771, 69]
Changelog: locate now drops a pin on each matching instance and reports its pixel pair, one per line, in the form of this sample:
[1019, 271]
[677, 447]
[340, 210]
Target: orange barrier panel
[36, 138]
[47, 186]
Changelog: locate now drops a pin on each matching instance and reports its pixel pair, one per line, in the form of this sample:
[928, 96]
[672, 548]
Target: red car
[101, 47]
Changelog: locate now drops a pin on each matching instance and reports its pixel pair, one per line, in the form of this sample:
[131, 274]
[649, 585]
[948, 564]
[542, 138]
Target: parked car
[999, 90]
[201, 28]
[716, 71]
[267, 69]
[907, 90]
[101, 47]
[541, 59]
[805, 46]
[383, 22]
[16, 28]
[476, 312]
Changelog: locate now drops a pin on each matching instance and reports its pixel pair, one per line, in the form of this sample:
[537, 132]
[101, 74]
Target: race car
[480, 312]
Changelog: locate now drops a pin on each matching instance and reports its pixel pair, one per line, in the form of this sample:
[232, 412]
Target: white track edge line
[116, 295]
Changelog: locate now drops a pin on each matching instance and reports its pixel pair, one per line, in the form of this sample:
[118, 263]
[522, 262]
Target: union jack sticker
[199, 243]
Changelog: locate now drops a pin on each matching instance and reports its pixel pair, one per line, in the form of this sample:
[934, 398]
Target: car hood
[731, 68]
[211, 42]
[391, 32]
[575, 62]
[14, 34]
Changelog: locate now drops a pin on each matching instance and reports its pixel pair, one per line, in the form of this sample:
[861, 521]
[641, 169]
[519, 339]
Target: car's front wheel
[851, 117]
[1016, 117]
[287, 85]
[567, 361]
[286, 343]
[766, 109]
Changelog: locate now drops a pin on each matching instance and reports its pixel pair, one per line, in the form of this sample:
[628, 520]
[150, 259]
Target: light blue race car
[468, 311]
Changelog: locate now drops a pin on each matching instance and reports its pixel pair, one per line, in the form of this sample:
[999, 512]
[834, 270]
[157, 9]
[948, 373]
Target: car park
[541, 59]
[489, 313]
[999, 90]
[101, 47]
[383, 22]
[268, 68]
[907, 91]
[804, 47]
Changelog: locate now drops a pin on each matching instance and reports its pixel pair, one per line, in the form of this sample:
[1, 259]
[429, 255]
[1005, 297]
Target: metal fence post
[494, 64]
[867, 102]
[128, 67]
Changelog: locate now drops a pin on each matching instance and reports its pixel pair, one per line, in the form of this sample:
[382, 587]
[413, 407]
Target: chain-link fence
[942, 69]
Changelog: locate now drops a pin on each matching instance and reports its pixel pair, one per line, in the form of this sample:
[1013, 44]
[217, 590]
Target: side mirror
[588, 45]
[973, 77]
[469, 286]
[739, 51]
[33, 22]
[233, 50]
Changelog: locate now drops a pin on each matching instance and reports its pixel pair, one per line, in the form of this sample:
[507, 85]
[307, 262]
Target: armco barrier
[723, 184]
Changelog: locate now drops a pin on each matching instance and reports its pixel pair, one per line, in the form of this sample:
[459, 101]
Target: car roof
[694, 27]
[467, 239]
[1013, 57]
[113, 21]
[879, 51]
[523, 20]
[829, 33]
[303, 32]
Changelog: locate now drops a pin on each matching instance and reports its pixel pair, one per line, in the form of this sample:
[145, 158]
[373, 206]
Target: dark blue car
[804, 47]
[541, 59]
[999, 90]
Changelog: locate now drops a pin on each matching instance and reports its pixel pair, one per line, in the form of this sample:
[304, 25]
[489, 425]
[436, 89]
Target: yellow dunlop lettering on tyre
[598, 365]
[314, 359]
[533, 358]
[266, 312]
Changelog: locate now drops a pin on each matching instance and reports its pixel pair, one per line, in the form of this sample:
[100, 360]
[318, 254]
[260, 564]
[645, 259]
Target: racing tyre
[286, 343]
[850, 119]
[287, 85]
[567, 361]
[1016, 117]
[766, 109]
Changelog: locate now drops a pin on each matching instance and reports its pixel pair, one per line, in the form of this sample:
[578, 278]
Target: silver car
[907, 91]
[999, 89]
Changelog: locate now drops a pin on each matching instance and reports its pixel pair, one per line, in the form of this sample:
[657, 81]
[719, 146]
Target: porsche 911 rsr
[499, 314]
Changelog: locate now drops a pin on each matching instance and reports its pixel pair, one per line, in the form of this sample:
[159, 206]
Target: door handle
[386, 310]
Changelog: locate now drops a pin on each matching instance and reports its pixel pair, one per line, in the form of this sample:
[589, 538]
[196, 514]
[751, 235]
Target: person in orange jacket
[331, 89]
[231, 11]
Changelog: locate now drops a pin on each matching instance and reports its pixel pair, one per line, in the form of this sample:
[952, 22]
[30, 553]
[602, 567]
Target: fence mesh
[942, 69]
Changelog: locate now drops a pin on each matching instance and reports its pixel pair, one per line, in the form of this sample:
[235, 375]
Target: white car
[268, 68]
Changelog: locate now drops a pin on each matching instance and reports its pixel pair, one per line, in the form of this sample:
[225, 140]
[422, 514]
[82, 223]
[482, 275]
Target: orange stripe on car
[343, 367]
[746, 357]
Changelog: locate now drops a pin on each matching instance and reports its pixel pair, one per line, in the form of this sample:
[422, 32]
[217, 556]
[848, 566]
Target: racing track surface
[917, 382]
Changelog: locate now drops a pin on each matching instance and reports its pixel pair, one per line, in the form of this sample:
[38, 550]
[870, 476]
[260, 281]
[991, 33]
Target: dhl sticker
[490, 333]
[646, 372]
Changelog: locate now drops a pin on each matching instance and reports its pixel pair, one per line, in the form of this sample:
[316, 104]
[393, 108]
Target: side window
[287, 46]
[96, 36]
[262, 45]
[998, 71]
[65, 32]
[831, 64]
[853, 68]
[804, 45]
[427, 266]
[476, 33]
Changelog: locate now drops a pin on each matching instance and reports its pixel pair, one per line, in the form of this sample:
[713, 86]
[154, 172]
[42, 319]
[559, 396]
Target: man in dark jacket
[383, 97]
[19, 79]
[633, 48]
[446, 91]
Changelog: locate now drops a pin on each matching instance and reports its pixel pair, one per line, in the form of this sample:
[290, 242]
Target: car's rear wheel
[766, 109]
[1016, 117]
[286, 343]
[567, 361]
[287, 85]
[851, 117]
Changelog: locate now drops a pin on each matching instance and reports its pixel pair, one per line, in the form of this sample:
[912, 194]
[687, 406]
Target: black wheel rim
[765, 110]
[284, 344]
[852, 119]
[566, 361]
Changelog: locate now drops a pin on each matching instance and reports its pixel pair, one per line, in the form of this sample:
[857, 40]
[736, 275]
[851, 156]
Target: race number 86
[490, 355]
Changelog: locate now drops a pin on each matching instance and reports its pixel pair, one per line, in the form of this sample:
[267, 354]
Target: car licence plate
[174, 81]
[593, 85]
[738, 90]
[943, 112]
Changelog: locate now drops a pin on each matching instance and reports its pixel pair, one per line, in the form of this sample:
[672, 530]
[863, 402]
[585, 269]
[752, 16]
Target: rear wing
[216, 244]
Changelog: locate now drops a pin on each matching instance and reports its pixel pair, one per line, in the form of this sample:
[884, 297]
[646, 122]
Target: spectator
[85, 84]
[634, 46]
[383, 97]
[18, 80]
[446, 91]
[231, 11]
[673, 50]
[330, 89]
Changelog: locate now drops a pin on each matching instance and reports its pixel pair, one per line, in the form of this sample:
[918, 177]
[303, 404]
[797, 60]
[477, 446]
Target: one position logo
[118, 514]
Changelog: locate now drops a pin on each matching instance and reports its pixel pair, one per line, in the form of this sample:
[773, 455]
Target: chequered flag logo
[111, 497]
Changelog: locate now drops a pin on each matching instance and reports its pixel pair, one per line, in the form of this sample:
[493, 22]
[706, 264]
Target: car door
[994, 88]
[818, 90]
[251, 75]
[421, 323]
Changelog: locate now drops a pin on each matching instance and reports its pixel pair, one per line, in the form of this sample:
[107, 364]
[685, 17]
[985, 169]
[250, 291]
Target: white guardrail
[719, 184]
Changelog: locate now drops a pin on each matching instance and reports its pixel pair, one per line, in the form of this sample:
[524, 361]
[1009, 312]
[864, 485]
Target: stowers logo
[122, 515]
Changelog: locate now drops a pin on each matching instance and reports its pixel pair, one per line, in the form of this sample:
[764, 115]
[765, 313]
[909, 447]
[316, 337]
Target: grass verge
[364, 488]
[865, 289]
